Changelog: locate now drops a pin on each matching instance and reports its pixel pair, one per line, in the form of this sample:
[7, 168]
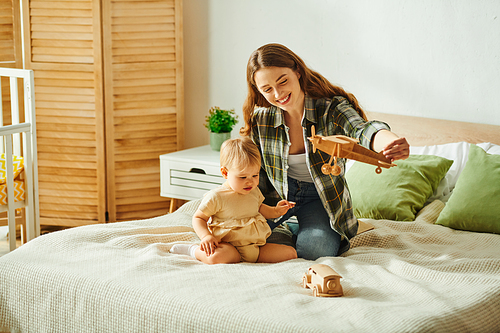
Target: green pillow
[474, 204]
[397, 193]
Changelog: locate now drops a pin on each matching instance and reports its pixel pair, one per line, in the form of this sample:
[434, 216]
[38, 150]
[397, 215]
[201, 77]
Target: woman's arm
[392, 146]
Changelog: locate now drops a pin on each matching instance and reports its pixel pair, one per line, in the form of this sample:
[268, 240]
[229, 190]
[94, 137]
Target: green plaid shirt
[330, 116]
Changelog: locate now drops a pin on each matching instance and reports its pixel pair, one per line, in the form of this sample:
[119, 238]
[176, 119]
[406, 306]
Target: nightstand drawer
[195, 180]
[190, 174]
[189, 183]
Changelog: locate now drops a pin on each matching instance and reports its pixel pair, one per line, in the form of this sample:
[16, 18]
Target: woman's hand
[392, 146]
[209, 244]
[398, 149]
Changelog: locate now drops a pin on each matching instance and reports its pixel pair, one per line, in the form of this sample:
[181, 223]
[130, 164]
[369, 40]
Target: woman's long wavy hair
[312, 83]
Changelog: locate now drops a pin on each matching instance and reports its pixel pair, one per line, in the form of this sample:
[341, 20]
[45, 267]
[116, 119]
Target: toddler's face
[242, 181]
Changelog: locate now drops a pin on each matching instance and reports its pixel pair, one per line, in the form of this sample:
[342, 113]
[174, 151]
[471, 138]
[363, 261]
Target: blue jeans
[315, 236]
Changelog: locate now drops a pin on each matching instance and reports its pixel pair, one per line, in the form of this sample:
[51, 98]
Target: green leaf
[220, 121]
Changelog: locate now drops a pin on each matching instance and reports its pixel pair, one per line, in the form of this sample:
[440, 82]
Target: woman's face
[280, 86]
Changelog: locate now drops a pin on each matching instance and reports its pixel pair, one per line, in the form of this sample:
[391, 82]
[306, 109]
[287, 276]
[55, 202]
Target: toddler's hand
[209, 244]
[283, 206]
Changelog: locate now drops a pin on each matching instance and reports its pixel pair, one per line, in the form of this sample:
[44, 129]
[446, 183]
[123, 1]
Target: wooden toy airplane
[341, 146]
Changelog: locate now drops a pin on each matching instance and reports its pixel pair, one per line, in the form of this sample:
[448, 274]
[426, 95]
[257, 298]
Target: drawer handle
[196, 170]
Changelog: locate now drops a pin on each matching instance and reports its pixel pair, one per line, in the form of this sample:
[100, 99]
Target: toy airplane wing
[362, 154]
[328, 143]
[340, 146]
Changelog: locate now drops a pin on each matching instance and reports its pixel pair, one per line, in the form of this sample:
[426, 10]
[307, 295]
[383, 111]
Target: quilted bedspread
[120, 277]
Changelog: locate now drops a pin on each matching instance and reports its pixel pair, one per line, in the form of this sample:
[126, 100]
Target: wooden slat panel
[143, 20]
[50, 142]
[54, 12]
[51, 208]
[129, 210]
[73, 222]
[10, 34]
[146, 211]
[62, 31]
[60, 20]
[141, 65]
[42, 119]
[63, 49]
[87, 176]
[146, 82]
[5, 84]
[7, 42]
[140, 199]
[61, 4]
[83, 187]
[10, 54]
[76, 200]
[158, 148]
[89, 160]
[80, 194]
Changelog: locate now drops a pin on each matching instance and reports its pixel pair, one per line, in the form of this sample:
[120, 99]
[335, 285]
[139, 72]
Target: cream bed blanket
[120, 277]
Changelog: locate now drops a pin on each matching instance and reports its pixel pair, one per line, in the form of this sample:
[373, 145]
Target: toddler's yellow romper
[236, 219]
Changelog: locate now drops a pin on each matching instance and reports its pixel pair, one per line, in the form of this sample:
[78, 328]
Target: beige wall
[432, 58]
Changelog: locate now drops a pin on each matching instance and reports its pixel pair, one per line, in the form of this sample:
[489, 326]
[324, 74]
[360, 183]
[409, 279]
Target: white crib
[19, 139]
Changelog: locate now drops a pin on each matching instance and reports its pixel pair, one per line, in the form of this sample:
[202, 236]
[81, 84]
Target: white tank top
[297, 168]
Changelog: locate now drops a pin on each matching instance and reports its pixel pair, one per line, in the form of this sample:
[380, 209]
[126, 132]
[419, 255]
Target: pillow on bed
[474, 203]
[492, 148]
[397, 193]
[458, 152]
[18, 167]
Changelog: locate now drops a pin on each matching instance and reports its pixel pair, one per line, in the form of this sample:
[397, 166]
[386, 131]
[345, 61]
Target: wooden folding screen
[143, 94]
[108, 83]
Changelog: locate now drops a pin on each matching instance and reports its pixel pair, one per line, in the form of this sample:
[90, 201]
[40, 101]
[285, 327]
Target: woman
[285, 99]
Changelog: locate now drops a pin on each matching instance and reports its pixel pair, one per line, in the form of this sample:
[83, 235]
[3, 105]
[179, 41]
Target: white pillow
[492, 148]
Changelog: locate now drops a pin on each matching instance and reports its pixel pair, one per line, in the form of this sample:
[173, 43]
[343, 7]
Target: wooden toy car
[341, 146]
[323, 281]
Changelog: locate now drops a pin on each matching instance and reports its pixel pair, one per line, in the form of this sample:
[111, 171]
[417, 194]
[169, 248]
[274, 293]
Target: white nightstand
[190, 173]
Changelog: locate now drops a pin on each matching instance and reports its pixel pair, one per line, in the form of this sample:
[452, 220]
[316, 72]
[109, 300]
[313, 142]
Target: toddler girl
[231, 219]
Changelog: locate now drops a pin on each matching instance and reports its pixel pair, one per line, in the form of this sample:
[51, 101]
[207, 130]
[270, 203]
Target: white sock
[188, 249]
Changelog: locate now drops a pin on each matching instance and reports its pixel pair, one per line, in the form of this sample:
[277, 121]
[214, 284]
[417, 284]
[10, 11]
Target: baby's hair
[239, 153]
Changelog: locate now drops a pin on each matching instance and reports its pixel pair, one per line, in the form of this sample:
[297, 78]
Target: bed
[18, 158]
[419, 272]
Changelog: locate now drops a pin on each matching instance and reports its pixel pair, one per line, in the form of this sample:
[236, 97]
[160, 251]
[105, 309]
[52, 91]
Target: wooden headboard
[426, 131]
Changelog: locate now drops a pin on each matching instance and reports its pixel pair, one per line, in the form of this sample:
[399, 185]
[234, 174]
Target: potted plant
[220, 123]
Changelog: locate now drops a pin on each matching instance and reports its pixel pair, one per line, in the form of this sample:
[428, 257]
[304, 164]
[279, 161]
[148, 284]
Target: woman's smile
[284, 100]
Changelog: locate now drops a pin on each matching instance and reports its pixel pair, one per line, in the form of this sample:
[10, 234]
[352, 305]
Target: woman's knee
[315, 243]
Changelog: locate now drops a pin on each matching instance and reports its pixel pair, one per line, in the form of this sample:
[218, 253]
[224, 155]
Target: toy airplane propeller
[341, 146]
